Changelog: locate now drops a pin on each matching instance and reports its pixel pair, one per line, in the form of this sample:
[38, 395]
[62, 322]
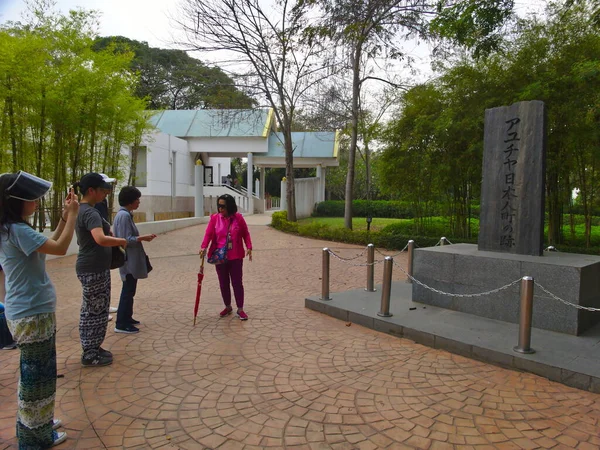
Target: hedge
[362, 208]
[381, 239]
[379, 208]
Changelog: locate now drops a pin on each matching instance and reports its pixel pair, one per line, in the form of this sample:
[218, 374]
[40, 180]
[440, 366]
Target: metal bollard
[443, 241]
[325, 277]
[386, 289]
[411, 249]
[370, 268]
[525, 316]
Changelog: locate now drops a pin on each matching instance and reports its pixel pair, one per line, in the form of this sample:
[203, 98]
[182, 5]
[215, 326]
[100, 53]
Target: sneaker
[97, 361]
[134, 322]
[226, 311]
[9, 346]
[56, 423]
[242, 315]
[112, 309]
[59, 437]
[104, 353]
[127, 330]
[109, 318]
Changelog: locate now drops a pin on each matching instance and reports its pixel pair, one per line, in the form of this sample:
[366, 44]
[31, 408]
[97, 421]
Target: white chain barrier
[556, 297]
[351, 258]
[353, 264]
[437, 291]
[393, 256]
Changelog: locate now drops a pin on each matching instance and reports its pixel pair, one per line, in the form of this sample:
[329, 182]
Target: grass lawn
[358, 223]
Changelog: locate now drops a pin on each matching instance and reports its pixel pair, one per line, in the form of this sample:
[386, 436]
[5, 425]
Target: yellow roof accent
[268, 123]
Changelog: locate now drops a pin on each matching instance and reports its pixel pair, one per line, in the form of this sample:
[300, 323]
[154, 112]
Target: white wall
[240, 145]
[306, 195]
[159, 147]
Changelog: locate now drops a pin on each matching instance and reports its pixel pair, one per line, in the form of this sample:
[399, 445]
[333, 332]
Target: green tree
[171, 79]
[372, 29]
[66, 109]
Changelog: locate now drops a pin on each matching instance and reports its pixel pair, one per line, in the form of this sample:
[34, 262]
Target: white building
[167, 158]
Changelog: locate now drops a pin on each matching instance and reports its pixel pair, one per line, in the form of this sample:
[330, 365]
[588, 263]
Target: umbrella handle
[202, 264]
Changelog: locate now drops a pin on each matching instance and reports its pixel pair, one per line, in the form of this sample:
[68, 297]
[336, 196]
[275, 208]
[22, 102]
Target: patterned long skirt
[93, 319]
[36, 338]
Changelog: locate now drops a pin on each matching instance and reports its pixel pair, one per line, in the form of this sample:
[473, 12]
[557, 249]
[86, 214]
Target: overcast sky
[149, 20]
[143, 20]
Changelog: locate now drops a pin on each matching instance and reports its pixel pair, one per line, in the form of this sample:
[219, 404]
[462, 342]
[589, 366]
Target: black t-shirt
[92, 258]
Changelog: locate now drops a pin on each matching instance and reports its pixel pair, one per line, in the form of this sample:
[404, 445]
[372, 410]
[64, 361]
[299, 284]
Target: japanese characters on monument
[513, 176]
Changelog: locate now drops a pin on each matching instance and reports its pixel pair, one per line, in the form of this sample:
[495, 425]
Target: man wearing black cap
[93, 269]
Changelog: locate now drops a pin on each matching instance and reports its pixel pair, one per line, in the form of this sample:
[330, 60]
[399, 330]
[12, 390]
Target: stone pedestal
[464, 269]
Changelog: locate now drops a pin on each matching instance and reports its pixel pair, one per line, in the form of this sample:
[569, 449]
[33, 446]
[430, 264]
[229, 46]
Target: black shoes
[104, 353]
[134, 322]
[98, 361]
[127, 330]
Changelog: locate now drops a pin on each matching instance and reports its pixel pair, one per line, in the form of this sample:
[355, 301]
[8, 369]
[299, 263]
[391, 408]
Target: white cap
[107, 179]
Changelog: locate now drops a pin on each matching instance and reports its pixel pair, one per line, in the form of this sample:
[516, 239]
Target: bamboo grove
[64, 109]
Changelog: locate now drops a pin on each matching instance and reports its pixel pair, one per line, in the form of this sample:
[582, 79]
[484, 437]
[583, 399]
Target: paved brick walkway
[288, 377]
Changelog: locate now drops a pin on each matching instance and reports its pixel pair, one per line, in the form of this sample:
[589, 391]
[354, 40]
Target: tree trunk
[354, 136]
[40, 155]
[13, 140]
[290, 192]
[554, 209]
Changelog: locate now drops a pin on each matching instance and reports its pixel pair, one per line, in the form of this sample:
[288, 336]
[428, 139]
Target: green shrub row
[363, 208]
[393, 236]
[389, 239]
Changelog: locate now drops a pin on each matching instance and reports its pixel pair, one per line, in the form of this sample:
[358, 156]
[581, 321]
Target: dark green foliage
[363, 208]
[171, 79]
[390, 238]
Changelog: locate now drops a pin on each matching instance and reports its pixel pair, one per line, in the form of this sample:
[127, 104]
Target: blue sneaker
[59, 437]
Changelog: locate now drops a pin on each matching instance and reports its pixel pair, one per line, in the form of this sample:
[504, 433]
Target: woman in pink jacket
[227, 232]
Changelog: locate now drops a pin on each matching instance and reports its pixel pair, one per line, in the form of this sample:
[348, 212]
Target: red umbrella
[199, 289]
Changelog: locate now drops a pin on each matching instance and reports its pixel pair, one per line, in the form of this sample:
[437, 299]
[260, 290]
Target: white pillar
[249, 183]
[262, 183]
[323, 177]
[320, 182]
[283, 200]
[199, 188]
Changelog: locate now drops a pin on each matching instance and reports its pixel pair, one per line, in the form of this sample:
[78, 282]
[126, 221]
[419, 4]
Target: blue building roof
[316, 144]
[214, 122]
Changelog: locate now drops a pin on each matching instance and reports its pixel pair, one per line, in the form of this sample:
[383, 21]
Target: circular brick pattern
[288, 377]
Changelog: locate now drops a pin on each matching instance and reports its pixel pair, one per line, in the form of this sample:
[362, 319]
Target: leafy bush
[279, 221]
[432, 226]
[396, 235]
[390, 237]
[363, 208]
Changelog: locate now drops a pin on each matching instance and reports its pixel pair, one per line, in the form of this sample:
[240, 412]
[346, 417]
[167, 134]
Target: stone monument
[512, 191]
[511, 234]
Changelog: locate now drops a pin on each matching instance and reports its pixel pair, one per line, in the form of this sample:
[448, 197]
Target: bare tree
[266, 42]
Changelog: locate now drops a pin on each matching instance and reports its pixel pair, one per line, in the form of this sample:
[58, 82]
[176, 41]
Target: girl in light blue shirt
[31, 302]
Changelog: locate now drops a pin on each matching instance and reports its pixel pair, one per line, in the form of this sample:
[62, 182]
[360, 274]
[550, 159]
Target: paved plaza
[287, 378]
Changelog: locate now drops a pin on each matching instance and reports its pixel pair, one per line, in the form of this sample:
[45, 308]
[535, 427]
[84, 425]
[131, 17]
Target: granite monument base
[463, 269]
